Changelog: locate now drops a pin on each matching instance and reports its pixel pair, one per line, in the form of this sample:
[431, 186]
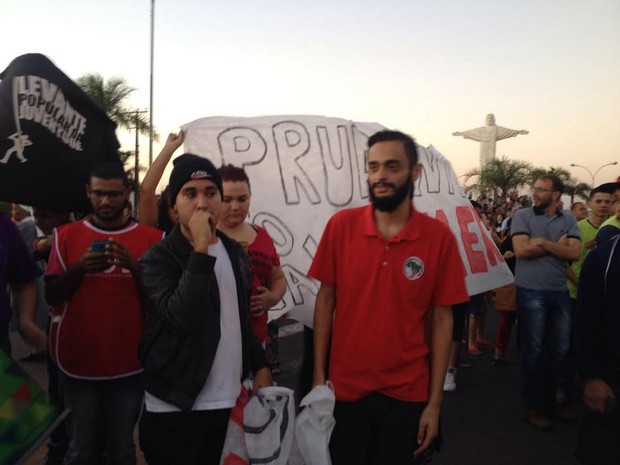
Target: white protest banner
[303, 169]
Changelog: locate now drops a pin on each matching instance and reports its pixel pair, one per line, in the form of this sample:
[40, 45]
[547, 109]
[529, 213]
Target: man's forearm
[61, 288]
[572, 277]
[323, 322]
[569, 252]
[524, 248]
[25, 306]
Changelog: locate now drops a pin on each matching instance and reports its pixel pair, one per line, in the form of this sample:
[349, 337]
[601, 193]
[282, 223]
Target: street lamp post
[593, 176]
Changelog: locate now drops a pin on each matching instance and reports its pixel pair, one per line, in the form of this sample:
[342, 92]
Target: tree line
[503, 176]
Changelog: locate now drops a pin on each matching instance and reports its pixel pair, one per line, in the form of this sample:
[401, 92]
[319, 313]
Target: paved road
[482, 422]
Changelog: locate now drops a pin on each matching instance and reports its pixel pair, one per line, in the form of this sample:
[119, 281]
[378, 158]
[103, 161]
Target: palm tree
[500, 176]
[110, 95]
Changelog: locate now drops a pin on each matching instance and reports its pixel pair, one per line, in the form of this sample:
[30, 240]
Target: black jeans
[376, 430]
[172, 438]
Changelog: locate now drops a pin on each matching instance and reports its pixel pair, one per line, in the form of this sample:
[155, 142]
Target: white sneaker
[449, 383]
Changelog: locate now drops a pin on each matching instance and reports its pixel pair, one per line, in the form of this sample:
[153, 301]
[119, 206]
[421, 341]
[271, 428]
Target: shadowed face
[46, 220]
[236, 203]
[195, 195]
[542, 193]
[108, 197]
[600, 204]
[579, 211]
[390, 176]
[18, 213]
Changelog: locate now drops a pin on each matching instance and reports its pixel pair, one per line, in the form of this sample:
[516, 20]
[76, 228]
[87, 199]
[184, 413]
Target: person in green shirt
[599, 202]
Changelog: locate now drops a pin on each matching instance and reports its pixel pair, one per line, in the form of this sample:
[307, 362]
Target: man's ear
[87, 187]
[416, 171]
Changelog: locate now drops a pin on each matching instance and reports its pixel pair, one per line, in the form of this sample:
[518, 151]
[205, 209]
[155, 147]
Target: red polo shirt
[384, 291]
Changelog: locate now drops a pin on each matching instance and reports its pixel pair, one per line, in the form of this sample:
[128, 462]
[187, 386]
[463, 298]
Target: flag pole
[151, 85]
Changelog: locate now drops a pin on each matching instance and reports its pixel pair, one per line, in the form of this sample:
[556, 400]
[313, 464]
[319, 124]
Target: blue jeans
[102, 419]
[545, 320]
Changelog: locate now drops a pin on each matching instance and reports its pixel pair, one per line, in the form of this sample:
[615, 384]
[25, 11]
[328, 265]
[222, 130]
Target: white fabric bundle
[269, 425]
[314, 425]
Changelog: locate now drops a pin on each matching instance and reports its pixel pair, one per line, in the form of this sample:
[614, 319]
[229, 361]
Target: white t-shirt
[223, 383]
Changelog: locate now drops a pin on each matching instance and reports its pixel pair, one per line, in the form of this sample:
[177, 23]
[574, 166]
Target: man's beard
[544, 204]
[112, 214]
[389, 203]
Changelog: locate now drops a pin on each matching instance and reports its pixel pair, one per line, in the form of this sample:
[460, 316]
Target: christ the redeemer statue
[488, 136]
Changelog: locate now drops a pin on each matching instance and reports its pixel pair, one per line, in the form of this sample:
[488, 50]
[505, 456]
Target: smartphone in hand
[99, 246]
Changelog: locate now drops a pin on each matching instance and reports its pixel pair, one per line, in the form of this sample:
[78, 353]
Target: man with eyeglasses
[93, 284]
[545, 240]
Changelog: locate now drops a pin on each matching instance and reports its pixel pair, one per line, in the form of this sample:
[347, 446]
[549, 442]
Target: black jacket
[183, 329]
[598, 315]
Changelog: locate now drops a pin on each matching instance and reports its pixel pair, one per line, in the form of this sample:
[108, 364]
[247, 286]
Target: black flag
[51, 135]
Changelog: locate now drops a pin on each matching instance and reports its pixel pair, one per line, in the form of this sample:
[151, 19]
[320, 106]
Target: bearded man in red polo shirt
[389, 275]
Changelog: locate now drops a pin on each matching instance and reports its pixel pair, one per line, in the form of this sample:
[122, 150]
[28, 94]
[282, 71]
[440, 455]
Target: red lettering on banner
[465, 217]
[441, 216]
[492, 252]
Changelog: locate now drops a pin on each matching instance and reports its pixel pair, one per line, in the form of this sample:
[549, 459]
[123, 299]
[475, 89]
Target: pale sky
[426, 67]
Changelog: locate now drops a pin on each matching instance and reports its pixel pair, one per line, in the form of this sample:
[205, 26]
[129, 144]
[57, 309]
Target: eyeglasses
[540, 190]
[112, 195]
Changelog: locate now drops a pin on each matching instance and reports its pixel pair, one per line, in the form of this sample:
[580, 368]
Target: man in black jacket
[198, 344]
[598, 355]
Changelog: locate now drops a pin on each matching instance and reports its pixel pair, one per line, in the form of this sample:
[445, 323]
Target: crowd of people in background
[566, 306]
[161, 317]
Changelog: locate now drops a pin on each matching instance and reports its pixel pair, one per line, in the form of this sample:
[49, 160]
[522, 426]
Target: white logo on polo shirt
[413, 268]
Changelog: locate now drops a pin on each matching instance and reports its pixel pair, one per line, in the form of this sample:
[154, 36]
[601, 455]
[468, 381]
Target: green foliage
[503, 176]
[499, 177]
[111, 96]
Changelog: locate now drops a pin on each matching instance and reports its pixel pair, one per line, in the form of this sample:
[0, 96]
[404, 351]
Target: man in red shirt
[389, 275]
[92, 282]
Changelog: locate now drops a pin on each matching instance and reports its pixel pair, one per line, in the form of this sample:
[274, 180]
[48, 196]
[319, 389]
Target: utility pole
[151, 86]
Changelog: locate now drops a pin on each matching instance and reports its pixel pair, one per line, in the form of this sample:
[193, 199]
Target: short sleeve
[573, 228]
[270, 248]
[519, 224]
